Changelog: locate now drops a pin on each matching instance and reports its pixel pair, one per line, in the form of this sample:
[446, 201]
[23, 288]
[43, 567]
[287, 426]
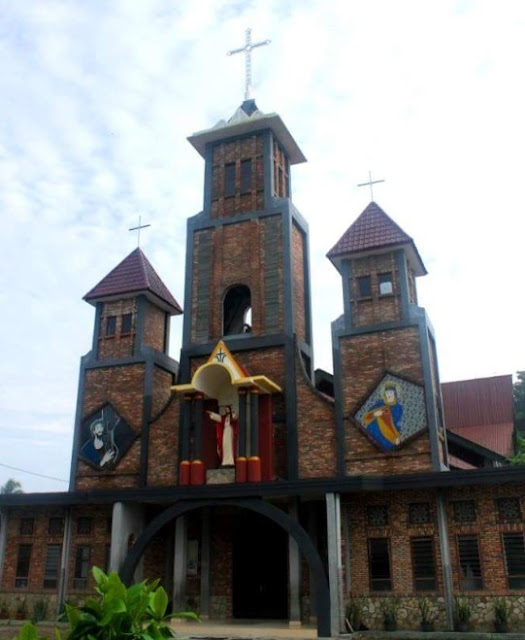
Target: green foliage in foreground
[117, 612]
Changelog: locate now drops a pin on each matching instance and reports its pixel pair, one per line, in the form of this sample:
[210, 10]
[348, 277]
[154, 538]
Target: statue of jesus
[226, 434]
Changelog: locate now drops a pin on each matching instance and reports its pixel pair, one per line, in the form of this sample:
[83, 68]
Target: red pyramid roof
[373, 229]
[133, 276]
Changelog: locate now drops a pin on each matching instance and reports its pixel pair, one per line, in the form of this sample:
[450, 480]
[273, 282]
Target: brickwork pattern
[298, 267]
[378, 308]
[98, 540]
[237, 257]
[164, 447]
[250, 148]
[155, 327]
[399, 351]
[122, 386]
[119, 345]
[399, 532]
[316, 429]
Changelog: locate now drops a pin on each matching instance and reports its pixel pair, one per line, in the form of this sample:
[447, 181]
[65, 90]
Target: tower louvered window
[379, 564]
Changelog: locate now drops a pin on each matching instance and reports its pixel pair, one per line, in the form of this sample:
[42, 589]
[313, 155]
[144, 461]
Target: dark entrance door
[260, 568]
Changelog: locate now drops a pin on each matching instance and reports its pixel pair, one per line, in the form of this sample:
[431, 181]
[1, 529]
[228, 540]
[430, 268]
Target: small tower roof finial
[138, 228]
[247, 50]
[370, 183]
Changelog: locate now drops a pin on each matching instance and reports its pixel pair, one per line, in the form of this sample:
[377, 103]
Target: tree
[518, 392]
[11, 486]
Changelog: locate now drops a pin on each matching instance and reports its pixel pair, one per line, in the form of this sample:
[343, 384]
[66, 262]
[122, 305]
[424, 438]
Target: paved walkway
[242, 629]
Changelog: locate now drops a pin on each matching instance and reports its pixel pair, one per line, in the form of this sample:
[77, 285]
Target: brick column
[184, 467]
[241, 460]
[254, 462]
[198, 472]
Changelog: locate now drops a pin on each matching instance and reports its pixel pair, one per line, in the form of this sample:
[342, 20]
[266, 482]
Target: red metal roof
[373, 229]
[133, 275]
[471, 403]
[496, 437]
[482, 411]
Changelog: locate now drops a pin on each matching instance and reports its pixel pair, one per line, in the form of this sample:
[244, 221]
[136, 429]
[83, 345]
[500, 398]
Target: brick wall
[155, 327]
[250, 148]
[164, 447]
[316, 429]
[377, 308]
[364, 360]
[123, 388]
[118, 345]
[298, 265]
[236, 254]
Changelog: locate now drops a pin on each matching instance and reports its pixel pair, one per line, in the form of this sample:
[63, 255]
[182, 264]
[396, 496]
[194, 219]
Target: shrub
[135, 613]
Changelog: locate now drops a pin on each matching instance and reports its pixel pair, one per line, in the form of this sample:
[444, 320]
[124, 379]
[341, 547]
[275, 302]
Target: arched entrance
[305, 544]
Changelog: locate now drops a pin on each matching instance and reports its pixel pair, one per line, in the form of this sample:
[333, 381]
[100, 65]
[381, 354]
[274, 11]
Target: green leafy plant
[137, 612]
[389, 609]
[29, 632]
[501, 615]
[462, 614]
[4, 610]
[427, 617]
[354, 613]
[39, 610]
[116, 612]
[21, 610]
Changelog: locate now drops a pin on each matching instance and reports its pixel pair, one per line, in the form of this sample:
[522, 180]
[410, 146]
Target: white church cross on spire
[141, 226]
[370, 183]
[247, 50]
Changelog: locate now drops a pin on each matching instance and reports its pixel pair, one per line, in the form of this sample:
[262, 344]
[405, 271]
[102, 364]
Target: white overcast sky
[97, 99]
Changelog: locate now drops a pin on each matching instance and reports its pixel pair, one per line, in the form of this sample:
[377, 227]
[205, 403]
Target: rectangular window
[82, 562]
[22, 565]
[379, 564]
[469, 563]
[84, 525]
[509, 509]
[26, 526]
[52, 566]
[419, 513]
[386, 285]
[377, 515]
[364, 287]
[515, 559]
[464, 511]
[423, 564]
[229, 180]
[127, 323]
[56, 526]
[111, 326]
[246, 176]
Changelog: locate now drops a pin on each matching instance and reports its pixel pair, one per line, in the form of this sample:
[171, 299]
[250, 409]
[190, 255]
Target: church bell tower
[247, 278]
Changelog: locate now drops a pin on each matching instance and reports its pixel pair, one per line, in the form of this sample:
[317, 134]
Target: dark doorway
[260, 568]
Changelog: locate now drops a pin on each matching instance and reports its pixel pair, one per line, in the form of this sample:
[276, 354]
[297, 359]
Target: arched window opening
[237, 310]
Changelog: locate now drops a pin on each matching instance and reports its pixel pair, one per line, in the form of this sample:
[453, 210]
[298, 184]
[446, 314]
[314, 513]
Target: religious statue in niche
[226, 433]
[393, 411]
[105, 438]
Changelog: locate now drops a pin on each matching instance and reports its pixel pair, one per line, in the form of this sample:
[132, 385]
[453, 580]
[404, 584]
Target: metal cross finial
[370, 183]
[247, 50]
[140, 226]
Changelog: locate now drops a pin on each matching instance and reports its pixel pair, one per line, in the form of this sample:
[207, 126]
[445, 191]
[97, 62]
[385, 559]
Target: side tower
[388, 398]
[125, 379]
[247, 278]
